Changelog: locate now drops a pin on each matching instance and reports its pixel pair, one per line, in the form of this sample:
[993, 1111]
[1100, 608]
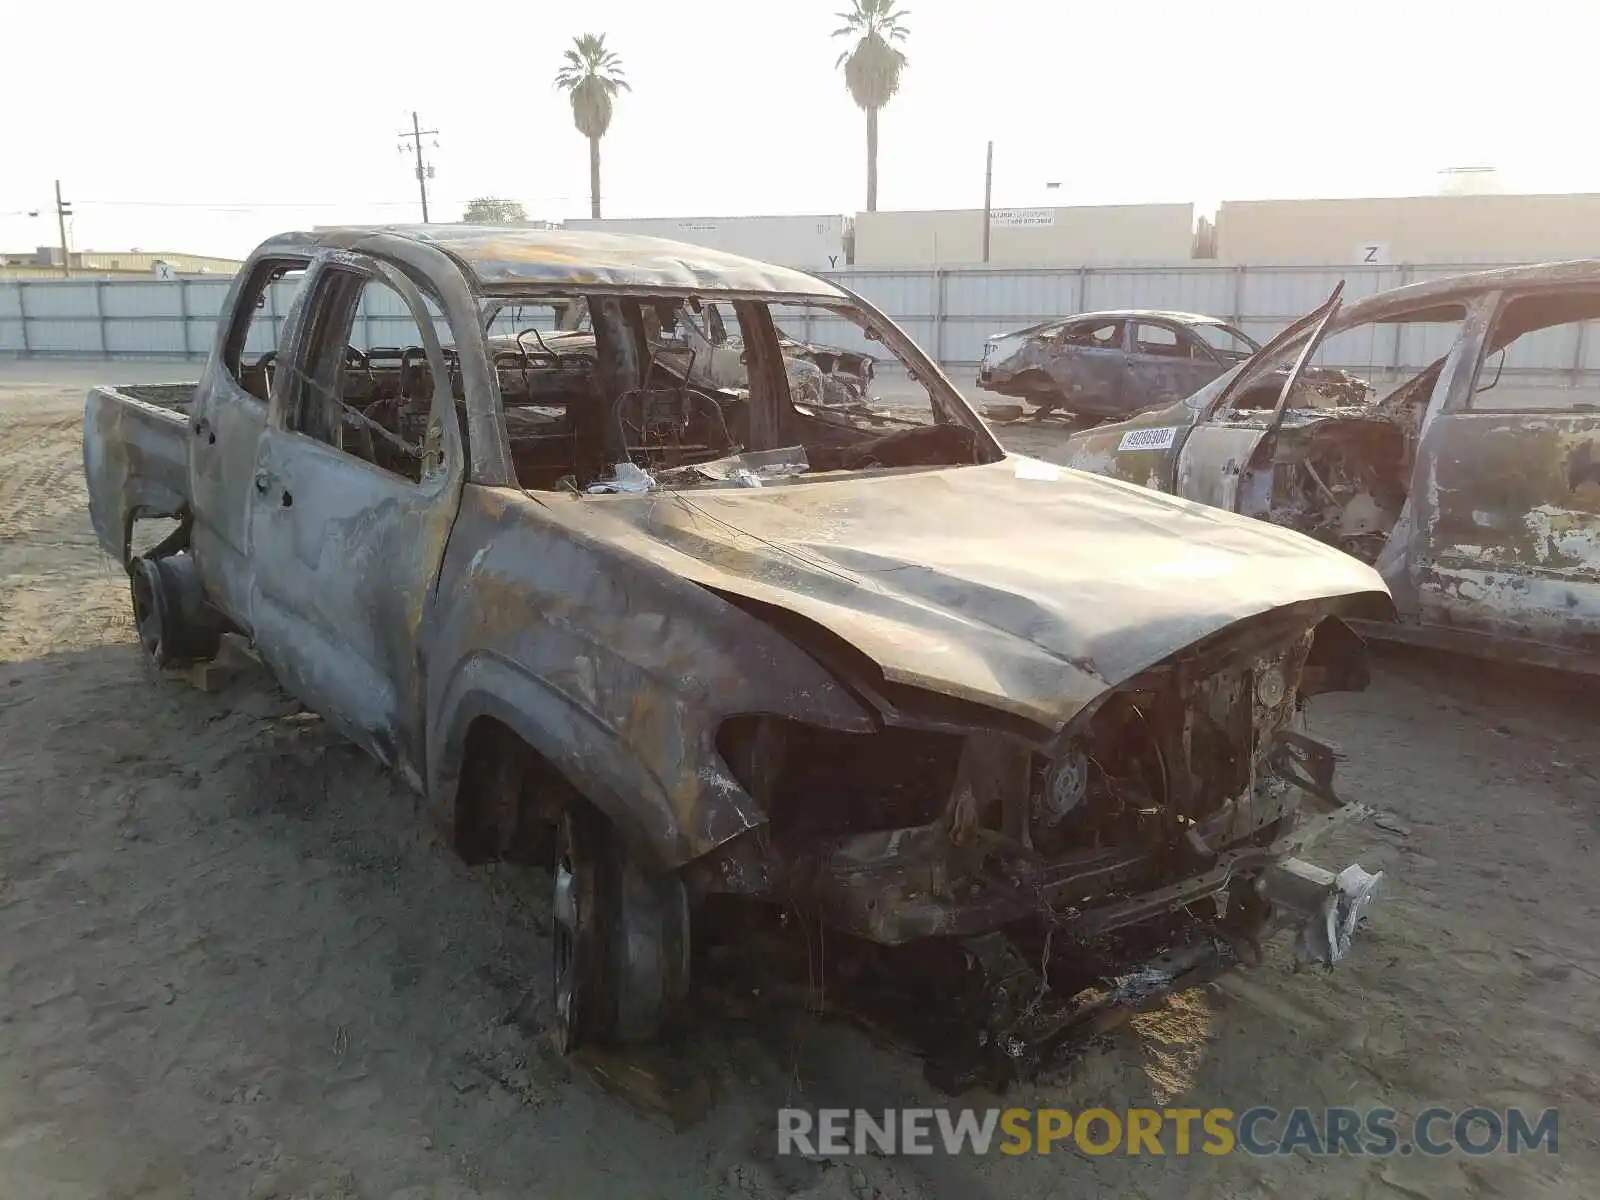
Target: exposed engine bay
[1341, 461]
[1152, 836]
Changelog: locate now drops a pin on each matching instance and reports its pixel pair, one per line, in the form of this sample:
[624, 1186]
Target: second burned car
[1470, 478]
[1103, 366]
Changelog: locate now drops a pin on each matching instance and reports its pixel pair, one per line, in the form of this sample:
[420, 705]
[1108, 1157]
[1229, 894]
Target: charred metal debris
[1049, 889]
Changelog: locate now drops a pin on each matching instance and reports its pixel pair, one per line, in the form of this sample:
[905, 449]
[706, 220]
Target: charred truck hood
[1018, 586]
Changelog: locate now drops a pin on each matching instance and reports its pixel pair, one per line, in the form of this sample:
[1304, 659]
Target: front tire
[619, 937]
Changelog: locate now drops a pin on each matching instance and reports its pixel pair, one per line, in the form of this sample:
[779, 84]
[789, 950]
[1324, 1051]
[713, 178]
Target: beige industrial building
[1115, 233]
[1488, 228]
[45, 263]
[812, 242]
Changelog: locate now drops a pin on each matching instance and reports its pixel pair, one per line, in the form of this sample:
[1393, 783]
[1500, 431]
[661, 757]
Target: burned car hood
[1019, 585]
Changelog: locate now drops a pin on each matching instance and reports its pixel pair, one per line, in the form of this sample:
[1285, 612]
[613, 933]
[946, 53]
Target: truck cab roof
[502, 258]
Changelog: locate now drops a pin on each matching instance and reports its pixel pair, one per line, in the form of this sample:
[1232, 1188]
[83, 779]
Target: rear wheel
[619, 937]
[166, 612]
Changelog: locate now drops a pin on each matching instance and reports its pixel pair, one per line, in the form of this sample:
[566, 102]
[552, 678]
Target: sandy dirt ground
[235, 963]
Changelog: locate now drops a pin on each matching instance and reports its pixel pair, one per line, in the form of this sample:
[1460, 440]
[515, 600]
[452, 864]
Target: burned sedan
[1104, 366]
[1017, 733]
[1471, 479]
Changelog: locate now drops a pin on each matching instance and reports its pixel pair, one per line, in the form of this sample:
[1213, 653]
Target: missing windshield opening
[632, 393]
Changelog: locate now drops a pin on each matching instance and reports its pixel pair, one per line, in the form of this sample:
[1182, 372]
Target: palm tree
[872, 69]
[591, 78]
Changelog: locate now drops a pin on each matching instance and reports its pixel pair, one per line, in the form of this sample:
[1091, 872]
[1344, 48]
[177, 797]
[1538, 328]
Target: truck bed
[135, 457]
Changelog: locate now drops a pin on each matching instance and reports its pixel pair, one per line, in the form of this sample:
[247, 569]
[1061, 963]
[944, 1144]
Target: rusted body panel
[561, 590]
[1514, 544]
[1477, 498]
[618, 670]
[135, 458]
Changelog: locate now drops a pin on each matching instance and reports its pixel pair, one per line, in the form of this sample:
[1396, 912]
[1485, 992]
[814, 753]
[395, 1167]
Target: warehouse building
[45, 263]
[811, 242]
[1483, 228]
[1035, 237]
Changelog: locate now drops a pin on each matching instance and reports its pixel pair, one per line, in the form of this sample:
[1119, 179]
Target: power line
[246, 205]
[251, 206]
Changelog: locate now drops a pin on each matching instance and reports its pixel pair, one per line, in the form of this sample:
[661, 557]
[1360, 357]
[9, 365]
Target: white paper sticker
[1149, 439]
[1033, 468]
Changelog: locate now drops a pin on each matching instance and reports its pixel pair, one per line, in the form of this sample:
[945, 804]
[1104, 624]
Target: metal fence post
[183, 315]
[22, 315]
[100, 316]
[940, 276]
[1081, 304]
[1238, 295]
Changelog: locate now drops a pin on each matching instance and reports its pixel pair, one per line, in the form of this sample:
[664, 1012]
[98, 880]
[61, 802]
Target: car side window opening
[1538, 356]
[1158, 340]
[1225, 341]
[1105, 335]
[364, 384]
[1393, 364]
[250, 354]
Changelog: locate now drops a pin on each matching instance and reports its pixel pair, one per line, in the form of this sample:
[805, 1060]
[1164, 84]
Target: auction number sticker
[1148, 439]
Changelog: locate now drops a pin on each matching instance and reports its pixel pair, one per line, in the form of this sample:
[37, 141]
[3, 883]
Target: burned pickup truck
[1471, 478]
[973, 715]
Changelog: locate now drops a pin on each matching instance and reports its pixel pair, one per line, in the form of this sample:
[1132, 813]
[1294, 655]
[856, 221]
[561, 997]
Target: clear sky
[205, 126]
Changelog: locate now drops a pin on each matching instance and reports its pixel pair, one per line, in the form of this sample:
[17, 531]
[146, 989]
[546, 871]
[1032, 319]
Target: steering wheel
[543, 351]
[670, 407]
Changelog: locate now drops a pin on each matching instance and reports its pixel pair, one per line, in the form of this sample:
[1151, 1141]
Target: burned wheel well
[508, 798]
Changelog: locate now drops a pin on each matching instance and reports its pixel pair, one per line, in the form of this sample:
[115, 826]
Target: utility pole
[424, 170]
[63, 211]
[988, 192]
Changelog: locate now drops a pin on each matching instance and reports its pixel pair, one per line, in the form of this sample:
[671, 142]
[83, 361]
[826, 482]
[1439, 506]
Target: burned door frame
[1061, 357]
[225, 427]
[347, 553]
[1188, 372]
[1478, 564]
[1215, 459]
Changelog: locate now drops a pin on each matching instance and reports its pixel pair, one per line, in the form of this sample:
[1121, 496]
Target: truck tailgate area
[135, 457]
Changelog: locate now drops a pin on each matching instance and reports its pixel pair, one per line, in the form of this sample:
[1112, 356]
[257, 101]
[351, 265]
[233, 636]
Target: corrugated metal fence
[950, 311]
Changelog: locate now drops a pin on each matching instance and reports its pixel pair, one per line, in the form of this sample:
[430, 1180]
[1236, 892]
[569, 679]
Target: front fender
[672, 828]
